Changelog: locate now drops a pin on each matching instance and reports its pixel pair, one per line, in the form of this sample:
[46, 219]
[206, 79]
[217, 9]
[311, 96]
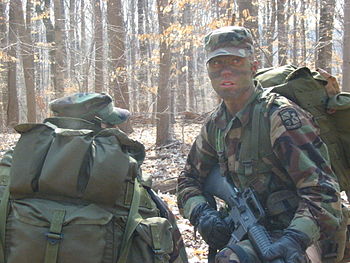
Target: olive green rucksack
[76, 194]
[307, 89]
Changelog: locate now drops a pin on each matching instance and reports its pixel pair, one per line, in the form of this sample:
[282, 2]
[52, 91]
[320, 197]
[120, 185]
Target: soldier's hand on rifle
[291, 247]
[210, 224]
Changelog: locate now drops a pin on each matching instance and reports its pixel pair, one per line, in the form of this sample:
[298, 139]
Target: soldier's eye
[215, 63]
[236, 61]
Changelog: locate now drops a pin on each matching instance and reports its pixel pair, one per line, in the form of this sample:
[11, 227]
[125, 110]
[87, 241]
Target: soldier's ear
[255, 65]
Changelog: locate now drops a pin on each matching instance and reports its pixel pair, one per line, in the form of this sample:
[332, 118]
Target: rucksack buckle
[158, 251]
[248, 167]
[53, 238]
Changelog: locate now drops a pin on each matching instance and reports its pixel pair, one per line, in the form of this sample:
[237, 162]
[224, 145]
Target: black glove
[210, 224]
[291, 247]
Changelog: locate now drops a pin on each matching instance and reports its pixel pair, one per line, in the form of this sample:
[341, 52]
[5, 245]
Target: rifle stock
[245, 211]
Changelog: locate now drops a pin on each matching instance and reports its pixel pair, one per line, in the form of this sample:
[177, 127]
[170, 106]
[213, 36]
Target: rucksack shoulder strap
[255, 142]
[3, 217]
[134, 219]
[250, 147]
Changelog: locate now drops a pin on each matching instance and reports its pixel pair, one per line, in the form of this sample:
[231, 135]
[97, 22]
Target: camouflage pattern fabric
[230, 40]
[299, 164]
[226, 255]
[89, 106]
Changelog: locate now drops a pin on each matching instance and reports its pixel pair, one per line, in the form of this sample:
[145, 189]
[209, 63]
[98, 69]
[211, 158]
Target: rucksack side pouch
[341, 104]
[63, 161]
[26, 168]
[152, 242]
[34, 233]
[109, 169]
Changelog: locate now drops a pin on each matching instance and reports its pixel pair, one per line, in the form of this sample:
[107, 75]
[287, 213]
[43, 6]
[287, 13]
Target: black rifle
[245, 211]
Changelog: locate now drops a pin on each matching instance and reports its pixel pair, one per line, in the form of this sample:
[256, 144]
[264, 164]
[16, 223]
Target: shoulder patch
[290, 118]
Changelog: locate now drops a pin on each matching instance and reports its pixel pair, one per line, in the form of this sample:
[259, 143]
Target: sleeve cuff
[192, 203]
[307, 226]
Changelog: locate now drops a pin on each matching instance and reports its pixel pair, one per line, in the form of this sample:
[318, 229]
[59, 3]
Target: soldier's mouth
[227, 83]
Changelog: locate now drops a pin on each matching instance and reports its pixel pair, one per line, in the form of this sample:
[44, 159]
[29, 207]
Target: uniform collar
[222, 117]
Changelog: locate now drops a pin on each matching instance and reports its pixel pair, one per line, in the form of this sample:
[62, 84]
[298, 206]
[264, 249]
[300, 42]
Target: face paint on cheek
[233, 71]
[214, 74]
[239, 72]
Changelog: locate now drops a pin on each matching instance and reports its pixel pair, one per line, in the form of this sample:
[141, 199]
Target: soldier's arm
[296, 142]
[199, 162]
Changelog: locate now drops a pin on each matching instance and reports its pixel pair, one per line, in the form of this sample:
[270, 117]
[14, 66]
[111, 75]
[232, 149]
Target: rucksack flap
[85, 232]
[307, 89]
[75, 163]
[270, 77]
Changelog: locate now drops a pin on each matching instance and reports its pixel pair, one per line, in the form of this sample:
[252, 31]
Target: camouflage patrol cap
[229, 40]
[89, 106]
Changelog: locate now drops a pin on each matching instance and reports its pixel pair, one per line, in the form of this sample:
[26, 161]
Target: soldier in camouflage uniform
[297, 186]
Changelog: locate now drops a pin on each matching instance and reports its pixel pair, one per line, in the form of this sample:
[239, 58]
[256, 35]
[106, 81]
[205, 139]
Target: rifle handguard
[261, 241]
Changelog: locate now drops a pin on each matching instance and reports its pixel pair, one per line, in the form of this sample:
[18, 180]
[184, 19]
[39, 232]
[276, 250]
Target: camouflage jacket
[299, 171]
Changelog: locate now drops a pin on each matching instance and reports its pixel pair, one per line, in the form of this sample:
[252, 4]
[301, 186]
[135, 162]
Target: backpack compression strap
[250, 154]
[250, 148]
[134, 218]
[3, 216]
[54, 236]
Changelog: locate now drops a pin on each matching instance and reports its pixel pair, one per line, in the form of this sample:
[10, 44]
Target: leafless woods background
[148, 54]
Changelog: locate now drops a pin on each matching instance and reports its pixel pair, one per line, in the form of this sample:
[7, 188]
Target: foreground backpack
[76, 194]
[332, 114]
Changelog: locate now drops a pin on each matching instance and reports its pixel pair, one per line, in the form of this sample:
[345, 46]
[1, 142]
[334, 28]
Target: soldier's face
[231, 76]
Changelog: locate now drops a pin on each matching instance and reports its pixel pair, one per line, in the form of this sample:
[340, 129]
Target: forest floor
[162, 163]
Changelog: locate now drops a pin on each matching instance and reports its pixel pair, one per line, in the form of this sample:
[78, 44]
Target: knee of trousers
[234, 254]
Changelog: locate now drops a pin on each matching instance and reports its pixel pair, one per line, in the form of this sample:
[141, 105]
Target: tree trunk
[282, 34]
[98, 47]
[59, 53]
[184, 60]
[143, 64]
[28, 61]
[181, 97]
[248, 17]
[271, 28]
[12, 105]
[317, 29]
[303, 33]
[84, 59]
[324, 58]
[72, 38]
[346, 47]
[295, 35]
[163, 114]
[43, 9]
[3, 68]
[190, 72]
[116, 37]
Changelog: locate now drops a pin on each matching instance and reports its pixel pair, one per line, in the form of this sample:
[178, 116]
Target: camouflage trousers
[313, 254]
